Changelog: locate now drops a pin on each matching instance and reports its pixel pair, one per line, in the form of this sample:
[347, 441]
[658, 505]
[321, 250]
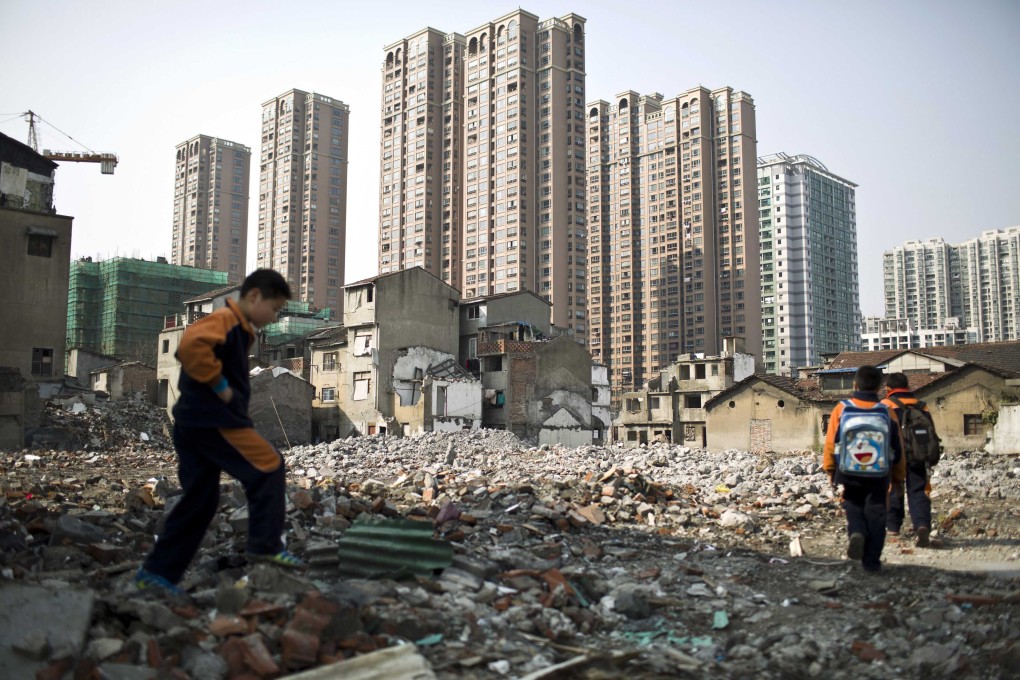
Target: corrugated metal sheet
[392, 548]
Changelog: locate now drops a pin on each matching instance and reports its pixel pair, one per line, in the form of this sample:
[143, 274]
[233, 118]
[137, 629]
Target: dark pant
[203, 453]
[913, 493]
[865, 514]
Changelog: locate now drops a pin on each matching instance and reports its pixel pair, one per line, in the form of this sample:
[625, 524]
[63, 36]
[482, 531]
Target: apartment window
[328, 394]
[971, 424]
[329, 361]
[42, 361]
[362, 385]
[474, 312]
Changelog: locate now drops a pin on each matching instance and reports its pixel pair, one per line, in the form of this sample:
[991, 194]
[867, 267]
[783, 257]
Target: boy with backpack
[922, 450]
[863, 453]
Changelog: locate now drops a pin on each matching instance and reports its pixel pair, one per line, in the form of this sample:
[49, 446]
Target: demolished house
[672, 407]
[281, 406]
[384, 317]
[432, 393]
[125, 379]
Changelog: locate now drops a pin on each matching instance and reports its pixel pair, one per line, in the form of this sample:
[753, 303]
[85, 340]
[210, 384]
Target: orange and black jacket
[829, 462]
[215, 347]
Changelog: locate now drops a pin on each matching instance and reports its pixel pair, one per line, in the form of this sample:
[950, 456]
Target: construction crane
[107, 161]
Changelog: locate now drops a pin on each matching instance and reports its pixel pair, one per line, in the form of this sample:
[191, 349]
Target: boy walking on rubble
[921, 445]
[869, 453]
[213, 433]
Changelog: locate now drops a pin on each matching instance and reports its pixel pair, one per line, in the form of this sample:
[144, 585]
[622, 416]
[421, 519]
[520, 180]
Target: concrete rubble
[594, 562]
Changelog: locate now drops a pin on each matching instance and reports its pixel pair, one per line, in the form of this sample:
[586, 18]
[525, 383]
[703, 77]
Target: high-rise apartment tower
[810, 301]
[210, 229]
[976, 283]
[482, 150]
[673, 250]
[303, 194]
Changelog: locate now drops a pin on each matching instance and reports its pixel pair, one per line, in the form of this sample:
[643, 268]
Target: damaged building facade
[397, 374]
[35, 255]
[672, 407]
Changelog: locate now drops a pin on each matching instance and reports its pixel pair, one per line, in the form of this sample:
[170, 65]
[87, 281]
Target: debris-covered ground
[594, 562]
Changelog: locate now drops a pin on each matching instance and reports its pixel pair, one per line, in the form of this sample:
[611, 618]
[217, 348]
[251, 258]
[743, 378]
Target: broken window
[362, 385]
[692, 401]
[42, 361]
[329, 361]
[40, 241]
[362, 343]
[493, 363]
[653, 402]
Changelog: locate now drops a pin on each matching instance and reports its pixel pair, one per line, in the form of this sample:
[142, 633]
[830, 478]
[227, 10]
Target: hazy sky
[915, 101]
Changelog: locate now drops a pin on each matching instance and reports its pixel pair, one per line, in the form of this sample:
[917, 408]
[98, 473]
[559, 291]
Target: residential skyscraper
[930, 282]
[482, 150]
[810, 298]
[210, 229]
[674, 254]
[303, 194]
[918, 283]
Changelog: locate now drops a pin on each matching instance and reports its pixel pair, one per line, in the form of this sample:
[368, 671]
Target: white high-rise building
[977, 282]
[810, 300]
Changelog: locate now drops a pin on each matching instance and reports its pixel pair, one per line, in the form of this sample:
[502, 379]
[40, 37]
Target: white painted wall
[1006, 435]
[743, 366]
[463, 401]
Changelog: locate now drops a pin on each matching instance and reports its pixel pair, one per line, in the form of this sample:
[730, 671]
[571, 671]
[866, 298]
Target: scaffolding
[296, 320]
[118, 306]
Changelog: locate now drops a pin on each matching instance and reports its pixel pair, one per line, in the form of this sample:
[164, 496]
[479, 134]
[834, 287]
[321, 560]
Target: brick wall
[521, 381]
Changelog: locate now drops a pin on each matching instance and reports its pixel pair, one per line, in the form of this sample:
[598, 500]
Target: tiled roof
[1002, 356]
[337, 332]
[858, 359]
[805, 390]
[213, 293]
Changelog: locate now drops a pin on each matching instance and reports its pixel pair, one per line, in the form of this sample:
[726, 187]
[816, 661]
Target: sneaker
[281, 559]
[146, 580]
[923, 537]
[855, 550]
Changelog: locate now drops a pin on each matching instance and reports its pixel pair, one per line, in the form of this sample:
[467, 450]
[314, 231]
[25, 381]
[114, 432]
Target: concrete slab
[30, 615]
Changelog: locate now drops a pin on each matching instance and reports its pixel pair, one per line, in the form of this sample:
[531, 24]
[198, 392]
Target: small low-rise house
[522, 312]
[281, 406]
[764, 413]
[35, 263]
[82, 362]
[966, 388]
[539, 390]
[168, 369]
[325, 349]
[672, 407]
[384, 317]
[124, 380]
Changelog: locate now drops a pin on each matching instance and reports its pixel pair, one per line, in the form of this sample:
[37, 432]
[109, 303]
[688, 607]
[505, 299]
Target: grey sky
[917, 102]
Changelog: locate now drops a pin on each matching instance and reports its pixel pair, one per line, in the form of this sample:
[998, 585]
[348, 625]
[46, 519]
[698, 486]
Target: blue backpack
[864, 448]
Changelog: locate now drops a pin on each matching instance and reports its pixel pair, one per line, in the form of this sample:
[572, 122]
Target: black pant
[913, 492]
[864, 504]
[203, 453]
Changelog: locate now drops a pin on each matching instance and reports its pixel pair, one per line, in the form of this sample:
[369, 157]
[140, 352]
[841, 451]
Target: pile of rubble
[471, 555]
[103, 426]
